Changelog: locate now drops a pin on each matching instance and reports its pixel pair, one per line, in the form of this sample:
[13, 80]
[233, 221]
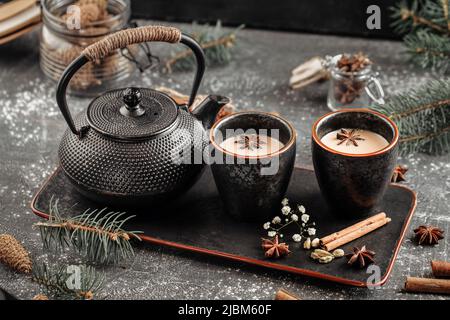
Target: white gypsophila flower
[276, 220]
[296, 237]
[294, 217]
[286, 210]
[281, 235]
[301, 208]
[266, 225]
[285, 201]
[305, 217]
[271, 233]
[311, 231]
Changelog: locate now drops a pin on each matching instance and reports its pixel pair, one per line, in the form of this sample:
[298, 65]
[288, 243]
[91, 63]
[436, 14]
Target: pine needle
[423, 118]
[429, 50]
[426, 27]
[74, 282]
[96, 235]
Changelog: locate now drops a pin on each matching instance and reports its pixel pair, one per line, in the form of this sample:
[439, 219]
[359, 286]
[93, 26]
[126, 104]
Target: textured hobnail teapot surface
[157, 113]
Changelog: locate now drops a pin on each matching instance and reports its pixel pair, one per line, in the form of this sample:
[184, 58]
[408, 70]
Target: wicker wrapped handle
[124, 38]
[118, 40]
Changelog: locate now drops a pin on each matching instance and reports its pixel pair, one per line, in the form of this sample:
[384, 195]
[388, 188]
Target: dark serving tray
[196, 222]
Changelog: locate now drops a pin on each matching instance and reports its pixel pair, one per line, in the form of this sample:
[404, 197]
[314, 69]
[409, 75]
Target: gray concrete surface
[31, 127]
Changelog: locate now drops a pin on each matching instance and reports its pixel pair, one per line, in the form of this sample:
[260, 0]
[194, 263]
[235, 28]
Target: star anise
[250, 142]
[399, 174]
[349, 137]
[428, 235]
[353, 63]
[363, 256]
[273, 248]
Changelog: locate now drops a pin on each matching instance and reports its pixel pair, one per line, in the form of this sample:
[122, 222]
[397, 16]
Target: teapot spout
[208, 109]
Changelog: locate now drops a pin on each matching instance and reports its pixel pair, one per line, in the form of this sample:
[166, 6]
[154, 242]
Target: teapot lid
[132, 113]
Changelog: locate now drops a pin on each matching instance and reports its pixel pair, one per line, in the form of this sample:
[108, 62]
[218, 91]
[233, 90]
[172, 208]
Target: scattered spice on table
[428, 235]
[399, 173]
[283, 294]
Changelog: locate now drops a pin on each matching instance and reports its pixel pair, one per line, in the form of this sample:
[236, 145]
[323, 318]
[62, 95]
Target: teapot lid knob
[132, 98]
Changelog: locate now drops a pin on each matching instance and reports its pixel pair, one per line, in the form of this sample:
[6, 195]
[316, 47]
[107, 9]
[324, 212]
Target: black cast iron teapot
[123, 148]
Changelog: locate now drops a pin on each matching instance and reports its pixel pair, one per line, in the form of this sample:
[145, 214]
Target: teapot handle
[121, 39]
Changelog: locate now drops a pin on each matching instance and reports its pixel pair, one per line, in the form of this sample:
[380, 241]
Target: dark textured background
[347, 17]
[31, 128]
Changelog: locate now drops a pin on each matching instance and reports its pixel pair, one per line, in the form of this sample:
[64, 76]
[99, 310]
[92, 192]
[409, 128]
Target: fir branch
[69, 282]
[215, 43]
[96, 235]
[426, 27]
[423, 118]
[429, 14]
[445, 9]
[429, 50]
[425, 136]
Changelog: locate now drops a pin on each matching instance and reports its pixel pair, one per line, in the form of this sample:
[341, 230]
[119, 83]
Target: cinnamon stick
[352, 228]
[358, 233]
[427, 285]
[355, 234]
[440, 268]
[285, 295]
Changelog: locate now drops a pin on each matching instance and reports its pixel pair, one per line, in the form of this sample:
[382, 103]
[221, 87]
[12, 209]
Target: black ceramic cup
[354, 184]
[252, 187]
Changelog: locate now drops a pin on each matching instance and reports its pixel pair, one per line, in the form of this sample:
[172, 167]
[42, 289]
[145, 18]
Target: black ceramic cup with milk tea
[253, 155]
[354, 154]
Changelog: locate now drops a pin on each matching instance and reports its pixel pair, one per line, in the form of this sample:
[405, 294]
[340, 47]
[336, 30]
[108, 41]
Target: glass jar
[61, 44]
[352, 89]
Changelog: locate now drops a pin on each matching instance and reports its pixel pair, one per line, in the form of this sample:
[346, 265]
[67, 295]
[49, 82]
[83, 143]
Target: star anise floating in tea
[428, 235]
[250, 142]
[399, 174]
[361, 256]
[274, 248]
[349, 136]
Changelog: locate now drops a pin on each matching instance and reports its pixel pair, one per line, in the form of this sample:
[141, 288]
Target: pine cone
[13, 254]
[40, 296]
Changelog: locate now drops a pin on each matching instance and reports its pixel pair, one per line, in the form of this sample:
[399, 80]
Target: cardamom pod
[322, 253]
[338, 253]
[317, 254]
[307, 244]
[326, 259]
[13, 254]
[315, 243]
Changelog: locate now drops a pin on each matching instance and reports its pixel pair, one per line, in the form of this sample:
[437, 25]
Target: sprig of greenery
[429, 50]
[74, 282]
[426, 29]
[96, 235]
[423, 118]
[216, 44]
